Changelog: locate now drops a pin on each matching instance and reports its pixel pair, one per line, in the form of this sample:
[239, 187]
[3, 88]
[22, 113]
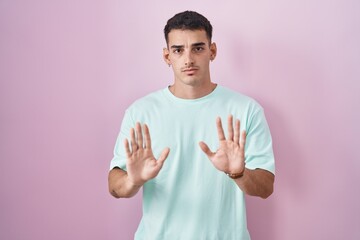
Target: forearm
[256, 182]
[119, 184]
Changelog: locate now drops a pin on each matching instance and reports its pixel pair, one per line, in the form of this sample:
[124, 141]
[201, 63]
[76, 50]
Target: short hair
[188, 20]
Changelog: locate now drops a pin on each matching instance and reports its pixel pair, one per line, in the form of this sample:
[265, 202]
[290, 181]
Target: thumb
[204, 147]
[164, 154]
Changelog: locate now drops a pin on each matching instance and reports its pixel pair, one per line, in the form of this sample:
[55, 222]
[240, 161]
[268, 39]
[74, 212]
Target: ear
[166, 54]
[213, 51]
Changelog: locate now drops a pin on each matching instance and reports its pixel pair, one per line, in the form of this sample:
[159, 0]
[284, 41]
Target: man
[193, 175]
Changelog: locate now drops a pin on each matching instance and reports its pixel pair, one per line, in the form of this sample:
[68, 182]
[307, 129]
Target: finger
[237, 132]
[220, 129]
[139, 136]
[127, 148]
[243, 140]
[132, 140]
[230, 128]
[147, 137]
[164, 154]
[205, 148]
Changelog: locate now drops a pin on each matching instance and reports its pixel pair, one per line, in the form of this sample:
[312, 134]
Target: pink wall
[68, 69]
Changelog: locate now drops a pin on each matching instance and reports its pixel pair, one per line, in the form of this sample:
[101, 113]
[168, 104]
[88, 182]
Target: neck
[192, 92]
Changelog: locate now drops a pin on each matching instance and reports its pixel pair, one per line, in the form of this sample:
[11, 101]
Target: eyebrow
[193, 45]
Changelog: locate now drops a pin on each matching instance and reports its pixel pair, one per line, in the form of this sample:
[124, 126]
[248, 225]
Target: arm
[119, 184]
[230, 158]
[141, 164]
[256, 182]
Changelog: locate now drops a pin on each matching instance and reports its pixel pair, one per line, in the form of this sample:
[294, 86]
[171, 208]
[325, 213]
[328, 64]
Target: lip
[190, 71]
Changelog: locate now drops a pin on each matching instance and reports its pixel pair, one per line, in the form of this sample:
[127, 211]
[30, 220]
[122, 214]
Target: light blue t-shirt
[190, 199]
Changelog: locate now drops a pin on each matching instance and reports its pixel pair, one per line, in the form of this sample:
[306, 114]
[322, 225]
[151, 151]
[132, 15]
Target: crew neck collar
[170, 95]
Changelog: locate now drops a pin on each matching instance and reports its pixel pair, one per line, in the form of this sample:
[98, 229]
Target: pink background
[68, 70]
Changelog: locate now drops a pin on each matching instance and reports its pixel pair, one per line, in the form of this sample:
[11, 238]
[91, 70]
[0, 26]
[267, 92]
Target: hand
[141, 164]
[230, 156]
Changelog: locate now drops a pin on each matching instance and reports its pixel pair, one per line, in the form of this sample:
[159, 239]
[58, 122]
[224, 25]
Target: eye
[177, 50]
[198, 49]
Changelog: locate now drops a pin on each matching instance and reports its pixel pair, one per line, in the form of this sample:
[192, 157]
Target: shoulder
[230, 96]
[148, 100]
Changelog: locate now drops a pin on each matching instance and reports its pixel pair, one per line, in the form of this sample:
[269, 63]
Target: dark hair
[188, 20]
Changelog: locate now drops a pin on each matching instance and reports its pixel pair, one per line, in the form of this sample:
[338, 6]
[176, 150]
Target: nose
[189, 60]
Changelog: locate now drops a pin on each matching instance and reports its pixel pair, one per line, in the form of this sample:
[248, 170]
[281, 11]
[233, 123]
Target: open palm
[230, 155]
[141, 164]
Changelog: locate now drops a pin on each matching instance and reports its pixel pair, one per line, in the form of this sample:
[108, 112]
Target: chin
[192, 81]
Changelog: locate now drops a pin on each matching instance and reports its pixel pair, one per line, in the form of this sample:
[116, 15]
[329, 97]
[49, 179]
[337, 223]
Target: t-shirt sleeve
[119, 159]
[258, 148]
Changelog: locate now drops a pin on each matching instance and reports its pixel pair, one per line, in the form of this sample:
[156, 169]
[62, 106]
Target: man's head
[188, 20]
[189, 50]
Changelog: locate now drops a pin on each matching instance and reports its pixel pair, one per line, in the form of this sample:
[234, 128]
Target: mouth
[190, 71]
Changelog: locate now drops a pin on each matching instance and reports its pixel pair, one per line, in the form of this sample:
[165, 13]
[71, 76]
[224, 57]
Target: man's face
[189, 53]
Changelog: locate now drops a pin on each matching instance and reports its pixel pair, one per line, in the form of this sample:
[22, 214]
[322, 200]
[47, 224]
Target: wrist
[235, 175]
[133, 184]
